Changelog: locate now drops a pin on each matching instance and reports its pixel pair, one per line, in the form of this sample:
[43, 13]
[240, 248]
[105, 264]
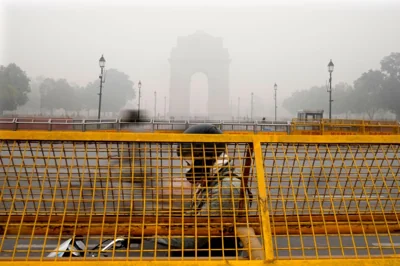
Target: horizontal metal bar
[205, 226]
[137, 229]
[118, 136]
[395, 261]
[145, 137]
[132, 229]
[123, 219]
[378, 217]
[150, 122]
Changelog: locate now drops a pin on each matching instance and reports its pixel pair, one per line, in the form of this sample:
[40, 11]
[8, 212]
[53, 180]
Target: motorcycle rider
[217, 192]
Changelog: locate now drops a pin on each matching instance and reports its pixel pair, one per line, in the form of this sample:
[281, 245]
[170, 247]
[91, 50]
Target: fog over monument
[200, 52]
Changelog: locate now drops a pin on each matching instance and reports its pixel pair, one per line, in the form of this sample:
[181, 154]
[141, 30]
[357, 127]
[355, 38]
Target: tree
[391, 95]
[45, 89]
[317, 98]
[341, 95]
[117, 91]
[390, 66]
[306, 99]
[67, 95]
[14, 87]
[367, 94]
[59, 95]
[34, 99]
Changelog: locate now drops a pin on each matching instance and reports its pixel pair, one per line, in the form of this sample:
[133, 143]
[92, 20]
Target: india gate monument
[199, 52]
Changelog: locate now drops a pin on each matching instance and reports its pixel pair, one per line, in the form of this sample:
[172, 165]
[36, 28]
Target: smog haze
[289, 43]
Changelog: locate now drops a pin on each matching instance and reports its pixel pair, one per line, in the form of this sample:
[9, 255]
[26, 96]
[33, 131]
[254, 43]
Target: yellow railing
[344, 127]
[311, 200]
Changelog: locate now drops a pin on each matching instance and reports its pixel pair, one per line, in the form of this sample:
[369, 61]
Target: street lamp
[330, 70]
[251, 106]
[138, 111]
[238, 110]
[275, 89]
[165, 107]
[102, 63]
[41, 100]
[155, 105]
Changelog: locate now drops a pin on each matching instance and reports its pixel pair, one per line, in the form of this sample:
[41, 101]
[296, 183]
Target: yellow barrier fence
[344, 127]
[198, 199]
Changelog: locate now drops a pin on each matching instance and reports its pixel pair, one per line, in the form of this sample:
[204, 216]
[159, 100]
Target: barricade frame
[256, 141]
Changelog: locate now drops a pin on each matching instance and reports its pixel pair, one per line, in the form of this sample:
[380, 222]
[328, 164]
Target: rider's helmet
[203, 159]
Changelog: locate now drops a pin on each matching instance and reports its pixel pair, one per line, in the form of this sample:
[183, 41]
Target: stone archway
[199, 52]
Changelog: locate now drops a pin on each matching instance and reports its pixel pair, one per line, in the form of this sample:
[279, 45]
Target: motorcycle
[77, 248]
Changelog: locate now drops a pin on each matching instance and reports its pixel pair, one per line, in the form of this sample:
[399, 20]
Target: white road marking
[386, 244]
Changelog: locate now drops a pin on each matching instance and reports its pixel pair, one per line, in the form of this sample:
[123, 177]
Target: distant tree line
[373, 91]
[48, 95]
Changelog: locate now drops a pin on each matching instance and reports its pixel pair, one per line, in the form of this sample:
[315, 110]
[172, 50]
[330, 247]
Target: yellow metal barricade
[344, 127]
[306, 128]
[333, 199]
[311, 200]
[382, 127]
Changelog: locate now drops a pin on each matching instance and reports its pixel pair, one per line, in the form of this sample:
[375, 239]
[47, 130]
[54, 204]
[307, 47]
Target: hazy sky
[287, 42]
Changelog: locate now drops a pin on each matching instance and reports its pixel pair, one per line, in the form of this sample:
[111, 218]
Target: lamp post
[238, 108]
[41, 100]
[275, 89]
[251, 104]
[155, 105]
[102, 63]
[138, 109]
[231, 110]
[165, 107]
[330, 70]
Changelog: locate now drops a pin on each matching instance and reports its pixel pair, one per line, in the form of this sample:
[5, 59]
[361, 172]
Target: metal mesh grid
[135, 191]
[324, 200]
[333, 200]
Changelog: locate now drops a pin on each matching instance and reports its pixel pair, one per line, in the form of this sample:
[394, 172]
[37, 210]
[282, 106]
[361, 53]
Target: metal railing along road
[146, 126]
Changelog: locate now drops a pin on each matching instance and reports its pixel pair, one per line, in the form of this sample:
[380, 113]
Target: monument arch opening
[199, 52]
[199, 95]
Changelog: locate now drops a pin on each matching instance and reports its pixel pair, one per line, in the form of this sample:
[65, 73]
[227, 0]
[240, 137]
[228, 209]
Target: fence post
[363, 127]
[262, 199]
